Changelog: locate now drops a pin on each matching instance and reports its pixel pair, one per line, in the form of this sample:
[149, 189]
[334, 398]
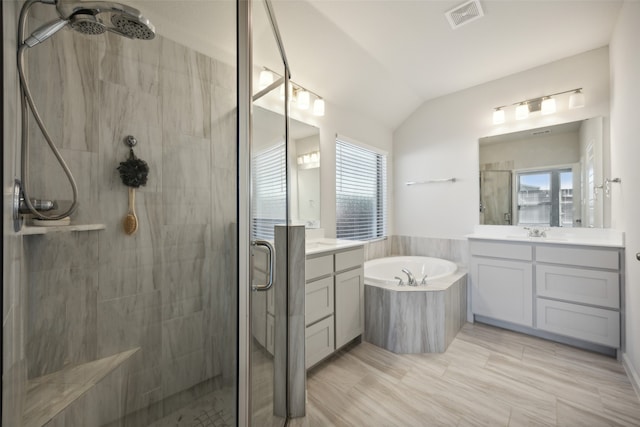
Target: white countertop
[316, 246]
[555, 235]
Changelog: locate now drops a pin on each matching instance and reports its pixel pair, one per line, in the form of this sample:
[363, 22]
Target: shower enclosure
[103, 328]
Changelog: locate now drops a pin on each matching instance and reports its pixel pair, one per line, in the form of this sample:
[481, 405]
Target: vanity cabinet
[334, 301]
[578, 293]
[563, 290]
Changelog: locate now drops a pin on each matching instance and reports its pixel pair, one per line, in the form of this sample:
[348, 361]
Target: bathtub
[382, 271]
[413, 319]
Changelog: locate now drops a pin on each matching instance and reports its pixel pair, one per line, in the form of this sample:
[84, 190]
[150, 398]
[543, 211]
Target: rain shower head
[86, 17]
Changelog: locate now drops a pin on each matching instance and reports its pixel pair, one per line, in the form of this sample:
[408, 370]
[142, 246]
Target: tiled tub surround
[167, 289]
[455, 250]
[421, 319]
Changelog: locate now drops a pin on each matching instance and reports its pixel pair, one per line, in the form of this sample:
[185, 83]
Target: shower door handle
[270, 265]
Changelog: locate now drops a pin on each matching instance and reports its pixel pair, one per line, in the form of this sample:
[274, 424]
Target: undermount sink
[536, 238]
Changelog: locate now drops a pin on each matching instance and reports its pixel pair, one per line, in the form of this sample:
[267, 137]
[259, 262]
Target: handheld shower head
[123, 20]
[45, 31]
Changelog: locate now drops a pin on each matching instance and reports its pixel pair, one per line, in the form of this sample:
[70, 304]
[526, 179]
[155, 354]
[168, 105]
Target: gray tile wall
[455, 250]
[13, 277]
[168, 289]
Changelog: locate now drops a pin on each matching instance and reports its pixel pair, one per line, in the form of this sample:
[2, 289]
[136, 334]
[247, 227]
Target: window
[545, 198]
[361, 189]
[269, 191]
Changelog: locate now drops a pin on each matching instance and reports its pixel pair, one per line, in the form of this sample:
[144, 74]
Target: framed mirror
[304, 161]
[544, 177]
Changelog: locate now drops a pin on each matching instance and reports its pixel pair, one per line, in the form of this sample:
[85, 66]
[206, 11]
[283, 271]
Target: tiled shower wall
[168, 289]
[13, 279]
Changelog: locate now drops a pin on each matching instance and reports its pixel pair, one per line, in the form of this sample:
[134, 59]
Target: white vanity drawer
[595, 287]
[319, 300]
[319, 341]
[318, 267]
[349, 259]
[598, 258]
[517, 251]
[591, 324]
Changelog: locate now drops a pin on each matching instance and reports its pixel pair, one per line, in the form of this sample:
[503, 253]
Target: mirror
[304, 162]
[544, 177]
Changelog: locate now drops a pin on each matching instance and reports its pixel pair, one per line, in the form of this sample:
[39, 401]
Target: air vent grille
[464, 13]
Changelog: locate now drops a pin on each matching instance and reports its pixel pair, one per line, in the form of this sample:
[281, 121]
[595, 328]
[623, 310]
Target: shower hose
[27, 101]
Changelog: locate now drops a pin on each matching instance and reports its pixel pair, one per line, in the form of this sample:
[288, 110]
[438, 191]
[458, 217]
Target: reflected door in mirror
[495, 197]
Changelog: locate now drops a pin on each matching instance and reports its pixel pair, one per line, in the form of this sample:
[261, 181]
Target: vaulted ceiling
[384, 58]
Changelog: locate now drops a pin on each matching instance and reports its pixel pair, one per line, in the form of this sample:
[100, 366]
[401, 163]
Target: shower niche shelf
[32, 230]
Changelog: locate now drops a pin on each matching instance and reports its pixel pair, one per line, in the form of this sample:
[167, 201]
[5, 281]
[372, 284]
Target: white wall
[625, 154]
[440, 140]
[535, 152]
[354, 126]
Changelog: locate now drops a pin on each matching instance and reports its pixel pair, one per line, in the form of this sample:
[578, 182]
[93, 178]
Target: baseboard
[633, 375]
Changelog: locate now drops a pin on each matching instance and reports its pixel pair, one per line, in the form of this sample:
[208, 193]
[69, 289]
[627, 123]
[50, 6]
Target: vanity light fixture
[545, 104]
[318, 107]
[548, 105]
[522, 111]
[265, 79]
[298, 95]
[576, 100]
[304, 98]
[309, 160]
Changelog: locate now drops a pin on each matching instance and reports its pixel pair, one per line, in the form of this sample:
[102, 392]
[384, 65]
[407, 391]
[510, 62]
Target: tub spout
[412, 279]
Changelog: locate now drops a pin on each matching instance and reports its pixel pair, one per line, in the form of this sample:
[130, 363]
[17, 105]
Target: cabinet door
[592, 324]
[319, 300]
[349, 306]
[502, 290]
[319, 340]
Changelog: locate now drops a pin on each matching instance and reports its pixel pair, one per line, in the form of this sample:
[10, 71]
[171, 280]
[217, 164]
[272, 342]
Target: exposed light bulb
[522, 111]
[498, 116]
[318, 107]
[304, 98]
[265, 79]
[548, 106]
[576, 100]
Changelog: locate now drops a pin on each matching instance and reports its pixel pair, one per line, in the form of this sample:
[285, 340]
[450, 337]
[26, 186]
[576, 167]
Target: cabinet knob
[638, 256]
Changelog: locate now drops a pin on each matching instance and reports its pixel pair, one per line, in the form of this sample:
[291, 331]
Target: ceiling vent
[465, 13]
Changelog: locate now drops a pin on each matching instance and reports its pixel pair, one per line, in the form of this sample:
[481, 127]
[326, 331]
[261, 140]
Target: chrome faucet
[536, 232]
[424, 280]
[412, 279]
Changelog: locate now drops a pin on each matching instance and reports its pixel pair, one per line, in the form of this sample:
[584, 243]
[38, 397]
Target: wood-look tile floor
[487, 377]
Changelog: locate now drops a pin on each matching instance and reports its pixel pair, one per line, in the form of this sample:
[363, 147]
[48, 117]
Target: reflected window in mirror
[545, 198]
[579, 148]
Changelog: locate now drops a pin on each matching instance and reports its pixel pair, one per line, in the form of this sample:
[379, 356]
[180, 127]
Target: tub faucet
[412, 279]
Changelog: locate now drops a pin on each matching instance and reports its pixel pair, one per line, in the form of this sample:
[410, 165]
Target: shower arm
[26, 96]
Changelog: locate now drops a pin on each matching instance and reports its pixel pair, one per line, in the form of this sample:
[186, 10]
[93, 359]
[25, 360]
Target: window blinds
[269, 204]
[361, 189]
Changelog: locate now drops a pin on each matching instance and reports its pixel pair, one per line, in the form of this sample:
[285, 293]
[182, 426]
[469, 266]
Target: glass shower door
[269, 218]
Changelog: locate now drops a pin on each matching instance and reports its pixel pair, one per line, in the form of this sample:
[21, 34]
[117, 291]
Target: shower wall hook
[131, 141]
